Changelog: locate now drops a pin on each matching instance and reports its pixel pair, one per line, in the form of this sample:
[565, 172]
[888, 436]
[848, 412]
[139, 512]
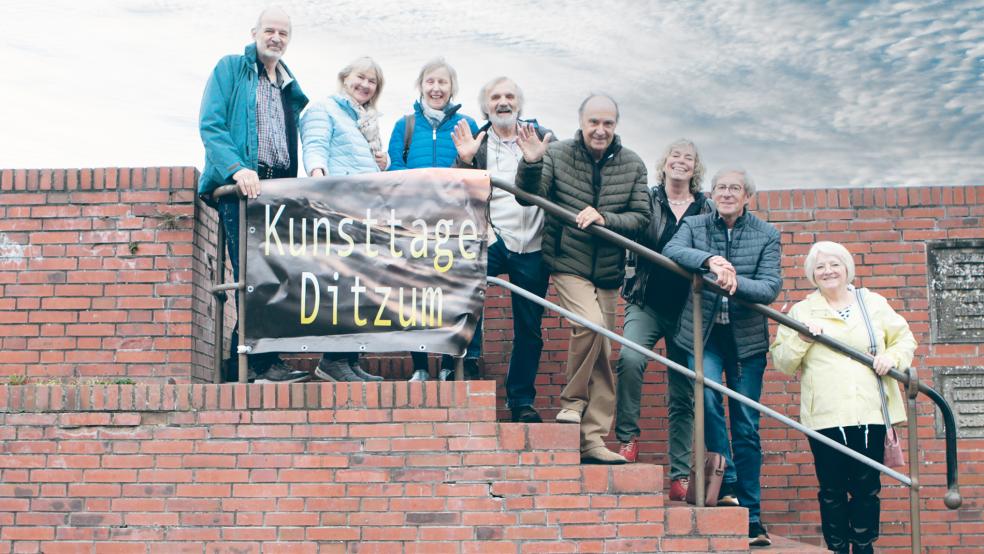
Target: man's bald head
[598, 100]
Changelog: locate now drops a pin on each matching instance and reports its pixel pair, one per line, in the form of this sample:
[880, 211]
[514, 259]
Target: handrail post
[219, 298]
[912, 390]
[241, 291]
[699, 446]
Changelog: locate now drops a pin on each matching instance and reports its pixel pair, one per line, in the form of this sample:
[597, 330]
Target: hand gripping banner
[384, 262]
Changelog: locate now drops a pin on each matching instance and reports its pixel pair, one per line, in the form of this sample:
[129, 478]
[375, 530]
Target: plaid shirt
[270, 122]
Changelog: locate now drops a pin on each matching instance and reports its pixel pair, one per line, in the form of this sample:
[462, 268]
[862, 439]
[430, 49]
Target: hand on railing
[248, 181]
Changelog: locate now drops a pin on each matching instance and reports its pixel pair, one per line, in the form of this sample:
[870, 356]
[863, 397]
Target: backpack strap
[408, 123]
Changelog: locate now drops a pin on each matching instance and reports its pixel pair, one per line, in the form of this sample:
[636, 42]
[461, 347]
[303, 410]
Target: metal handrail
[704, 381]
[952, 498]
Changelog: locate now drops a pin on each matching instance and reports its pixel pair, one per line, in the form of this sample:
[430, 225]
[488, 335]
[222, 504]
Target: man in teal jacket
[248, 124]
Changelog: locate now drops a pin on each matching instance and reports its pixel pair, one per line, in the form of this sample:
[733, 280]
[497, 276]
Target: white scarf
[432, 115]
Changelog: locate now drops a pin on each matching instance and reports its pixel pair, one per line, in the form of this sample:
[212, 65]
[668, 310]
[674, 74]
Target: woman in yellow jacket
[839, 397]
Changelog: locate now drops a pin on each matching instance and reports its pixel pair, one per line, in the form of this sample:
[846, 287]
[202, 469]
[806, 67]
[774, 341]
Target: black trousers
[849, 506]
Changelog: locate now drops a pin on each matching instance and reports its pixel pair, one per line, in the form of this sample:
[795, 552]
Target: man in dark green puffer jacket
[605, 184]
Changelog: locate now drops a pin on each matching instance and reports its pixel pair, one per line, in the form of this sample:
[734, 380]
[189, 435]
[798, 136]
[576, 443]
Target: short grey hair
[580, 109]
[364, 63]
[437, 63]
[483, 94]
[698, 176]
[834, 249]
[746, 179]
[259, 19]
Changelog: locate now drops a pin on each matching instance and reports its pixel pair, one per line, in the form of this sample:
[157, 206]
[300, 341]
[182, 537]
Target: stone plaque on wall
[956, 290]
[963, 388]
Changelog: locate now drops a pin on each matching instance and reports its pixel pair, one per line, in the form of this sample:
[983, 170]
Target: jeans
[229, 216]
[645, 327]
[525, 271]
[744, 376]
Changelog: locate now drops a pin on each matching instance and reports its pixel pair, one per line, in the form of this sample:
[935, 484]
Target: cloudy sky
[802, 94]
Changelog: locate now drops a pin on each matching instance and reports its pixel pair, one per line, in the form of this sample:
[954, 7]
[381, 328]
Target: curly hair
[698, 176]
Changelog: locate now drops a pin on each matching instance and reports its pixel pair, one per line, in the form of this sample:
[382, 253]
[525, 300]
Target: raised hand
[531, 144]
[465, 143]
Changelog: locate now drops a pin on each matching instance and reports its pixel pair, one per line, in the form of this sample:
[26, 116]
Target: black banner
[384, 262]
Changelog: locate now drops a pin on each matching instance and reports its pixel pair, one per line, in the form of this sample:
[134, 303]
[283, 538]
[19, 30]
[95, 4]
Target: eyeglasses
[733, 189]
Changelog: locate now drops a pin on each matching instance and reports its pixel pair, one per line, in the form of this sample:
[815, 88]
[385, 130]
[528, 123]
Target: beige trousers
[590, 387]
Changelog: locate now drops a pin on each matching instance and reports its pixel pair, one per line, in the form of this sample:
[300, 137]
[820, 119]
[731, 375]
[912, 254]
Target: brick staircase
[329, 468]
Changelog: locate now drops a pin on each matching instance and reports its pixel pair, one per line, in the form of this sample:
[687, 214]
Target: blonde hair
[438, 63]
[834, 249]
[364, 63]
[697, 178]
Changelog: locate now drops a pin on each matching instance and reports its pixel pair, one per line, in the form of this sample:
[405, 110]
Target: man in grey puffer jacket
[605, 184]
[743, 252]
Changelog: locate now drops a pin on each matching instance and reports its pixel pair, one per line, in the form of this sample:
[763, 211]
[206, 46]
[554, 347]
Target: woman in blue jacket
[340, 136]
[423, 139]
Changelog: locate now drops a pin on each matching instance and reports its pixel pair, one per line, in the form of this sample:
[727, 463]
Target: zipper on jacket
[596, 185]
[434, 143]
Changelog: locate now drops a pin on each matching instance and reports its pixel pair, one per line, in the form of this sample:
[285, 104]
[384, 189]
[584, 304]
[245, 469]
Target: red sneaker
[630, 450]
[678, 489]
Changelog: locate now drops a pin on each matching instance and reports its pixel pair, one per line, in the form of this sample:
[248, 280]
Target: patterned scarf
[368, 124]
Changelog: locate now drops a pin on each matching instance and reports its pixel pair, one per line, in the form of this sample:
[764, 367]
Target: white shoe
[602, 455]
[420, 375]
[568, 416]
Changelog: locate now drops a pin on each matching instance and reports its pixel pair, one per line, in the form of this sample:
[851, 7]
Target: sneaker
[727, 497]
[757, 535]
[678, 489]
[601, 455]
[630, 450]
[362, 374]
[335, 370]
[525, 414]
[280, 372]
[420, 375]
[569, 416]
[446, 375]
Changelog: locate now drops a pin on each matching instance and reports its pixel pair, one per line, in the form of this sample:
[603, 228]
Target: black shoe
[727, 496]
[335, 371]
[757, 535]
[356, 368]
[280, 372]
[525, 414]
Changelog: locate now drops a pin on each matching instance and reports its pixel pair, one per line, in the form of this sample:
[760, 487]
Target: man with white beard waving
[515, 247]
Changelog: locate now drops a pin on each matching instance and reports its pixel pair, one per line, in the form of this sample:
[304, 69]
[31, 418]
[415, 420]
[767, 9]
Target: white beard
[503, 120]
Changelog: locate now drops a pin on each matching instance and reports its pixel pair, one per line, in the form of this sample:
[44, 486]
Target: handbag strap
[873, 350]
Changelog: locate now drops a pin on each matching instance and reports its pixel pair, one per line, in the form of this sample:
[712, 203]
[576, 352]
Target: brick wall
[330, 468]
[75, 301]
[887, 231]
[96, 274]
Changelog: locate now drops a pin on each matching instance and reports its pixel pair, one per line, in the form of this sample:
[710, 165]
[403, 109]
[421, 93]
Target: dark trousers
[229, 219]
[849, 506]
[526, 271]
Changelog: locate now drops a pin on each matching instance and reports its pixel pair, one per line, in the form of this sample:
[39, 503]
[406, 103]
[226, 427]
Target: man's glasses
[733, 189]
